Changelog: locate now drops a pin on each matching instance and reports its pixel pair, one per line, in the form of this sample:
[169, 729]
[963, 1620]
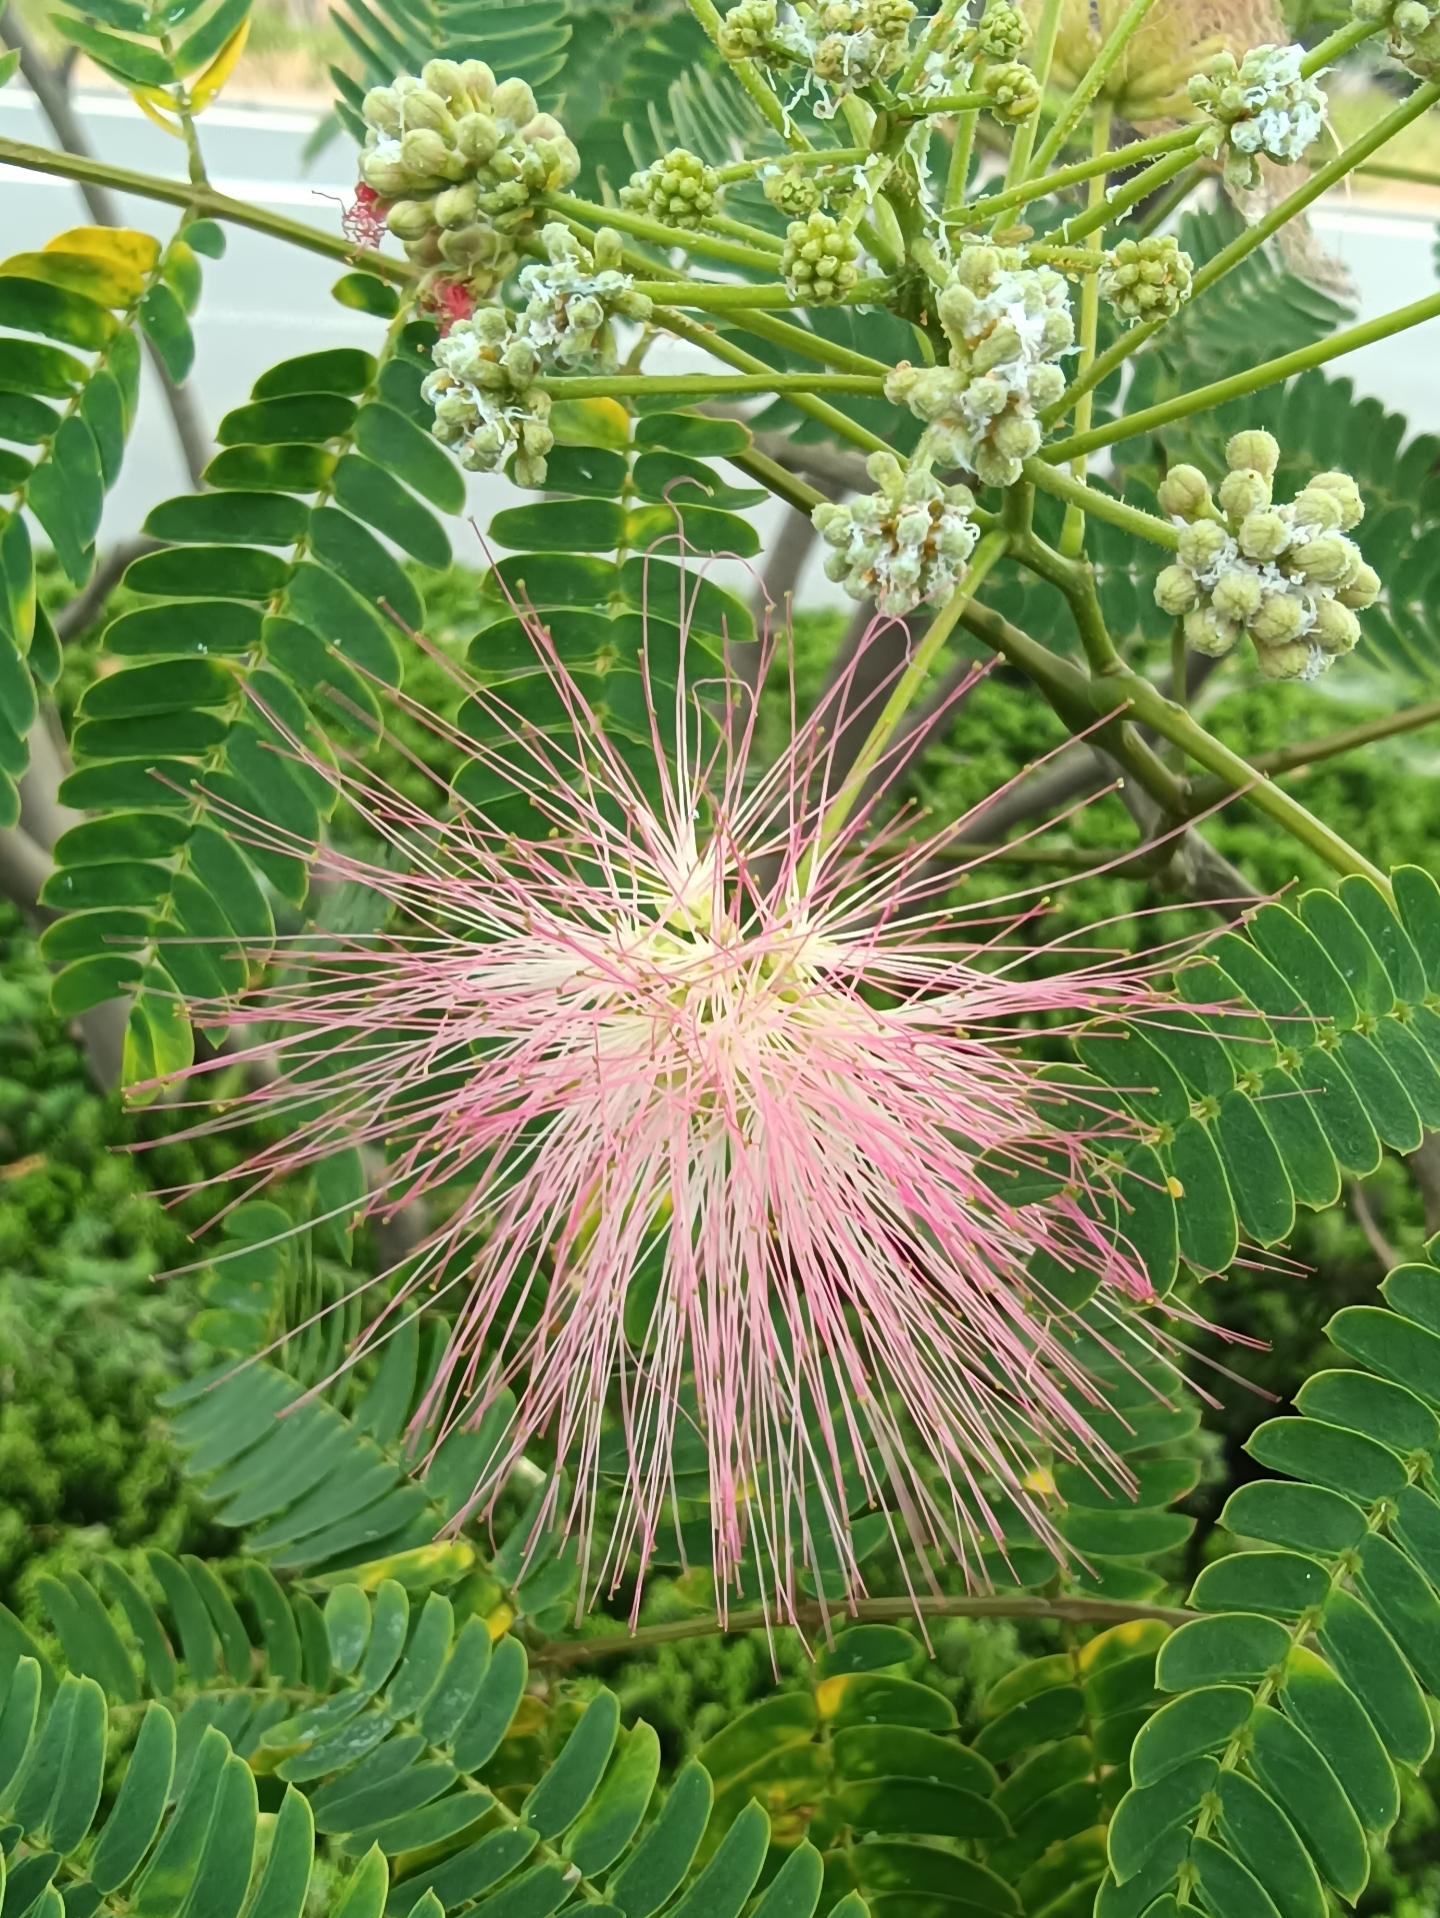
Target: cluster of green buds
[820, 259]
[998, 38]
[845, 44]
[1146, 279]
[1265, 105]
[1286, 575]
[677, 190]
[792, 190]
[1414, 30]
[570, 302]
[903, 545]
[458, 159]
[1013, 90]
[1007, 325]
[485, 400]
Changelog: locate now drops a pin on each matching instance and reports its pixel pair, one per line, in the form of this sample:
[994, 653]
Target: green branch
[1090, 84]
[701, 386]
[204, 203]
[1310, 752]
[691, 238]
[781, 482]
[979, 211]
[1319, 182]
[815, 1617]
[797, 339]
[1269, 373]
[750, 77]
[720, 297]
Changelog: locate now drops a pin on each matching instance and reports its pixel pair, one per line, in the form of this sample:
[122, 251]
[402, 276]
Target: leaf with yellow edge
[138, 95]
[82, 273]
[124, 247]
[219, 69]
[419, 1570]
[590, 423]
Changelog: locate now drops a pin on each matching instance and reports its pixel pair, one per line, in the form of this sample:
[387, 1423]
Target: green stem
[780, 480]
[1319, 182]
[1202, 398]
[938, 27]
[1022, 144]
[755, 236]
[1310, 752]
[1419, 176]
[815, 156]
[1072, 536]
[987, 554]
[750, 77]
[971, 102]
[1101, 68]
[1179, 665]
[715, 296]
[693, 239]
[815, 1617]
[701, 386]
[1326, 52]
[1125, 196]
[802, 399]
[980, 210]
[959, 169]
[203, 202]
[1120, 687]
[1076, 493]
[798, 340]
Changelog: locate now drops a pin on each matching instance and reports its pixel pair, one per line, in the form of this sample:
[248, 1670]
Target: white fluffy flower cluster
[902, 545]
[458, 157]
[1264, 105]
[1007, 325]
[1414, 30]
[570, 302]
[1286, 575]
[482, 390]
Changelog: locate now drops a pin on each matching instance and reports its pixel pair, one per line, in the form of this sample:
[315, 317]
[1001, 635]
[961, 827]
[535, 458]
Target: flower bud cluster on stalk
[1261, 107]
[1286, 575]
[903, 545]
[1413, 29]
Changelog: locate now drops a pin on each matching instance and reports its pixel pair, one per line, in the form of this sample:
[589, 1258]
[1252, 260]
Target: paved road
[266, 300]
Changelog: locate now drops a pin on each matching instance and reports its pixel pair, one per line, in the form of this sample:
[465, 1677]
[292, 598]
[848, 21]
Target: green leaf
[611, 1821]
[1387, 1413]
[1328, 1455]
[82, 1772]
[277, 1623]
[1263, 1196]
[1126, 1534]
[1125, 1059]
[561, 526]
[1204, 1212]
[890, 1866]
[206, 237]
[459, 1683]
[285, 1881]
[468, 1873]
[366, 293]
[337, 369]
[197, 1636]
[27, 366]
[92, 1646]
[565, 1790]
[1406, 1353]
[144, 1622]
[1366, 1657]
[163, 322]
[869, 1698]
[296, 419]
[919, 1805]
[400, 447]
[725, 1884]
[659, 1863]
[1280, 1584]
[359, 558]
[1260, 1834]
[1301, 958]
[1146, 1815]
[33, 1792]
[1297, 1777]
[289, 469]
[1338, 1111]
[1412, 1066]
[371, 494]
[217, 626]
[1392, 945]
[1265, 988]
[17, 1721]
[167, 1878]
[692, 433]
[140, 1806]
[347, 1622]
[901, 1751]
[127, 61]
[794, 1891]
[327, 605]
[35, 306]
[266, 519]
[364, 1895]
[1384, 1098]
[865, 1648]
[1226, 1887]
[489, 1718]
[1290, 1119]
[1331, 1716]
[784, 1718]
[424, 1658]
[1418, 898]
[192, 572]
[1241, 1646]
[49, 499]
[1417, 1527]
[223, 1876]
[1053, 1714]
[1414, 1292]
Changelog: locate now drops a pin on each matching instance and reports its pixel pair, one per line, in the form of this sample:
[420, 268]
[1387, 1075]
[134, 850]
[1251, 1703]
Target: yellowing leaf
[499, 1622]
[830, 1693]
[530, 1715]
[122, 246]
[219, 69]
[590, 423]
[418, 1570]
[1039, 1480]
[139, 96]
[77, 273]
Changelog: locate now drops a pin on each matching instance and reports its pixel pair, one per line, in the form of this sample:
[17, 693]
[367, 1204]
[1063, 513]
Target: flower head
[712, 1108]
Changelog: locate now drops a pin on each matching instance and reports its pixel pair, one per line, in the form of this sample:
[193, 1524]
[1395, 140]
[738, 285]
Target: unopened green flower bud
[1237, 594]
[456, 205]
[1256, 450]
[678, 190]
[1328, 560]
[1146, 279]
[381, 108]
[1202, 544]
[1207, 633]
[1013, 90]
[411, 219]
[513, 101]
[1292, 660]
[1184, 493]
[479, 80]
[1347, 496]
[1176, 591]
[1002, 32]
[424, 153]
[1362, 589]
[1243, 492]
[1336, 627]
[746, 29]
[443, 77]
[1280, 620]
[793, 190]
[477, 136]
[1263, 535]
[819, 259]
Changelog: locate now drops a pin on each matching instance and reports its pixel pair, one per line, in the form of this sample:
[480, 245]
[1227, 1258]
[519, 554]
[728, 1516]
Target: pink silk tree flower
[700, 1090]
